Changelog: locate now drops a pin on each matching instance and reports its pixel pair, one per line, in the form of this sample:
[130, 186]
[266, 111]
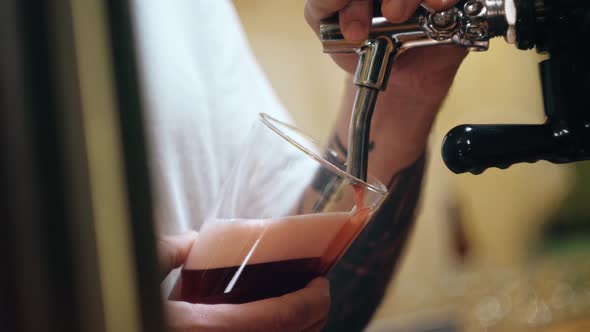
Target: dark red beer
[239, 261]
[255, 281]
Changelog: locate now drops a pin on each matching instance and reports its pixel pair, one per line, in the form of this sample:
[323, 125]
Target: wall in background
[305, 79]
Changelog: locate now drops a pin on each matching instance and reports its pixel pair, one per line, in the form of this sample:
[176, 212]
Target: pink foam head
[227, 243]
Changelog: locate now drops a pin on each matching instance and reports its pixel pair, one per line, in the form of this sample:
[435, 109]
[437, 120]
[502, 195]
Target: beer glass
[284, 216]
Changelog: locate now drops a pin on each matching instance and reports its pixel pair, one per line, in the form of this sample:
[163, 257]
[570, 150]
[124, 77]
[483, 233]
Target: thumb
[173, 251]
[355, 19]
[441, 4]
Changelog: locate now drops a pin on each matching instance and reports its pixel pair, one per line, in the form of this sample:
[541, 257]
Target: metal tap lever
[470, 24]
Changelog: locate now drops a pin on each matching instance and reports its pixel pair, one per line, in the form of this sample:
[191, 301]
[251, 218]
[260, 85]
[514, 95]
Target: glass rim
[270, 121]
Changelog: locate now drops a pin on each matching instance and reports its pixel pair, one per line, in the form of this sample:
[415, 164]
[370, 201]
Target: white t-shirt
[203, 89]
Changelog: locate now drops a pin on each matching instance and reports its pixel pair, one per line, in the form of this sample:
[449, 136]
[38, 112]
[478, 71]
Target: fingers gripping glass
[285, 215]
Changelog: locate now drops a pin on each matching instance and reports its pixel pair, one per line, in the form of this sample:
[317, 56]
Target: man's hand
[419, 81]
[414, 69]
[304, 310]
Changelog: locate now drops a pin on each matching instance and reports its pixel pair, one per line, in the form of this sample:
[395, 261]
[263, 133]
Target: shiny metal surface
[446, 19]
[510, 14]
[427, 28]
[359, 130]
[473, 8]
[375, 58]
[470, 26]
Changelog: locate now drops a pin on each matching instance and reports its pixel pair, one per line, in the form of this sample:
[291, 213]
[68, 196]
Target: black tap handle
[555, 27]
[474, 148]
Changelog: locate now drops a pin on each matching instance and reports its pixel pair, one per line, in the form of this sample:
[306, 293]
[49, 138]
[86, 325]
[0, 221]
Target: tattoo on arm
[359, 280]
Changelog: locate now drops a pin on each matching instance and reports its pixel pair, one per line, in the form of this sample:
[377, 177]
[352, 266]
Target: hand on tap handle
[418, 82]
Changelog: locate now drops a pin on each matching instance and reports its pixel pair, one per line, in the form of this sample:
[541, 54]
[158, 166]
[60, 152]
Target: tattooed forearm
[359, 280]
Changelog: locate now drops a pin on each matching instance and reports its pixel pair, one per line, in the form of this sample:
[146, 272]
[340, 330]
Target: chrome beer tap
[559, 28]
[470, 25]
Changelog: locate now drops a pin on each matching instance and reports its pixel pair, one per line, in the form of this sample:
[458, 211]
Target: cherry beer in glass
[284, 216]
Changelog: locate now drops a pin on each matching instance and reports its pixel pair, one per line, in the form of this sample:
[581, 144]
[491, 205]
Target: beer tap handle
[565, 81]
[475, 148]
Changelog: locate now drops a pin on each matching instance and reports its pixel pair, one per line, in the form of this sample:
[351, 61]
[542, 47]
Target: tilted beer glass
[284, 216]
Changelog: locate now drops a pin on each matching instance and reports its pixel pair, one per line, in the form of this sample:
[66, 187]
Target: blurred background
[480, 241]
[503, 251]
